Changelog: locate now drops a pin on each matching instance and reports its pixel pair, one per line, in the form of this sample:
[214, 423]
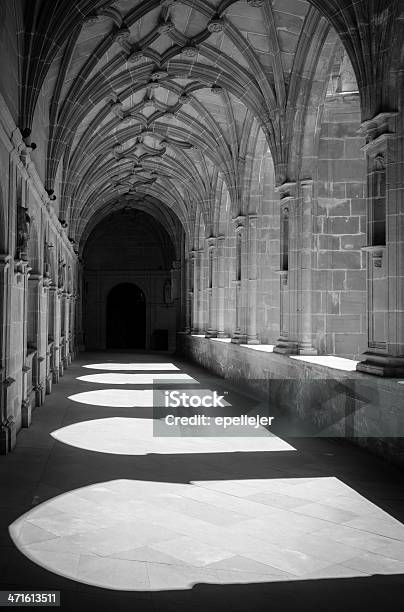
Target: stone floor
[97, 505]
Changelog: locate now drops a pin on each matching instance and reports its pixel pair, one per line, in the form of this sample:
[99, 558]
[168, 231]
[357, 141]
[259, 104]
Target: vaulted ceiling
[163, 100]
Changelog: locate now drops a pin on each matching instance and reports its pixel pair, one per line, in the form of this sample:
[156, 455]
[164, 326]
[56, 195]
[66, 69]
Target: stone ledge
[364, 409]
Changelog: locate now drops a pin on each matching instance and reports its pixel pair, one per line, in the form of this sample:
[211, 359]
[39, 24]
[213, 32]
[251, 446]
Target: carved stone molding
[239, 222]
[216, 25]
[287, 191]
[378, 130]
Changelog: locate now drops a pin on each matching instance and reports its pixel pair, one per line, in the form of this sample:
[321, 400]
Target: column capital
[378, 131]
[287, 191]
[35, 276]
[211, 242]
[307, 182]
[5, 259]
[221, 238]
[239, 222]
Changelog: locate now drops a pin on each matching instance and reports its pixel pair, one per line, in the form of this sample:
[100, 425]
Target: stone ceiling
[165, 100]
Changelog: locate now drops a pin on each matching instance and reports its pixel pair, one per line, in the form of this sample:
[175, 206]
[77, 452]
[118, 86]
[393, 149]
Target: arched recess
[130, 246]
[328, 165]
[126, 317]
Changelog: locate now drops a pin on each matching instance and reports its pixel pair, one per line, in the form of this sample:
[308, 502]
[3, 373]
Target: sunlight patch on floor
[148, 536]
[128, 367]
[111, 378]
[133, 436]
[115, 398]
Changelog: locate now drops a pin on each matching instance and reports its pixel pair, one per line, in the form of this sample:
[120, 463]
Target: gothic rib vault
[175, 100]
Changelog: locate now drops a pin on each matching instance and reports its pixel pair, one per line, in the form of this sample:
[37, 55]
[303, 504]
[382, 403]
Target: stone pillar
[212, 287]
[37, 335]
[175, 280]
[54, 335]
[240, 335]
[385, 251]
[72, 335]
[66, 324]
[7, 423]
[58, 333]
[220, 287]
[199, 292]
[305, 235]
[252, 281]
[188, 294]
[194, 291]
[287, 343]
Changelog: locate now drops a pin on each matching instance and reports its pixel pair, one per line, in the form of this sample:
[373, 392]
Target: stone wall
[339, 275]
[38, 282]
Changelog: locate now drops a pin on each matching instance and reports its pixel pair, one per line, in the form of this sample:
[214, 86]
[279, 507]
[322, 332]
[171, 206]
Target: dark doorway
[126, 317]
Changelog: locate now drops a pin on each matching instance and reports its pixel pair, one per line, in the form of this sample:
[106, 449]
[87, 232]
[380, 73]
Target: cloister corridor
[202, 305]
[96, 506]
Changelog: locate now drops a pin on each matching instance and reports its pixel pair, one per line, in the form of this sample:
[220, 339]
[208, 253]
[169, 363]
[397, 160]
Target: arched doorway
[126, 317]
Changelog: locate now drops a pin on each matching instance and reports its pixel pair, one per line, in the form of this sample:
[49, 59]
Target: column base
[4, 442]
[239, 339]
[253, 340]
[8, 438]
[286, 347]
[39, 395]
[381, 365]
[211, 333]
[307, 350]
[222, 335]
[26, 413]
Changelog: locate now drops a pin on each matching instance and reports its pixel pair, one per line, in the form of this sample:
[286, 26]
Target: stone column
[194, 291]
[54, 331]
[72, 324]
[7, 425]
[239, 335]
[220, 287]
[211, 287]
[66, 323]
[199, 291]
[58, 332]
[385, 251]
[305, 236]
[37, 338]
[252, 280]
[175, 280]
[287, 343]
[188, 294]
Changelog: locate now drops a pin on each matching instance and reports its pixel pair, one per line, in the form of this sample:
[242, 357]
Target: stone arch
[126, 317]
